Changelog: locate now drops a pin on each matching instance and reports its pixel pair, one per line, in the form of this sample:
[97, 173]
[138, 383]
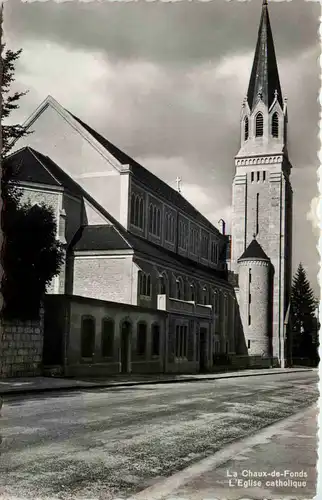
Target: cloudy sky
[165, 82]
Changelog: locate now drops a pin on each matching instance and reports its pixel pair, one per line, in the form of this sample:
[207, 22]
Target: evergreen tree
[31, 255]
[304, 322]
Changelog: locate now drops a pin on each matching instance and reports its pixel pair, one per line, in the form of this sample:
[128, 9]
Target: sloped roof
[99, 237]
[150, 180]
[264, 77]
[103, 237]
[31, 166]
[254, 252]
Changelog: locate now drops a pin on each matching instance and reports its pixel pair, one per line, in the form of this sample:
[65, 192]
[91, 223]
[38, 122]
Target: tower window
[259, 125]
[257, 210]
[248, 344]
[275, 124]
[250, 275]
[264, 175]
[249, 320]
[258, 176]
[249, 298]
[246, 128]
[252, 176]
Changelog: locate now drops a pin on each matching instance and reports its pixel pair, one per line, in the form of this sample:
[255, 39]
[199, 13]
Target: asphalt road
[108, 444]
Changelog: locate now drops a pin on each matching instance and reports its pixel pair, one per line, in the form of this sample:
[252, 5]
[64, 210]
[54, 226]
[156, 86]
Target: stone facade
[262, 193]
[21, 348]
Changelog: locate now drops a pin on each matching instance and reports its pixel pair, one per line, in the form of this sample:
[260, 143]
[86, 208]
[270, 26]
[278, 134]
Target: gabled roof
[31, 166]
[264, 79]
[151, 181]
[254, 252]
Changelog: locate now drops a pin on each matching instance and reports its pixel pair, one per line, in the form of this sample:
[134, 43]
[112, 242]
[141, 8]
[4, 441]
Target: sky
[165, 82]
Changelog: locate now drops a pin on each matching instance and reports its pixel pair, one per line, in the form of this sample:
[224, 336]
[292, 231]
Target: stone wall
[21, 346]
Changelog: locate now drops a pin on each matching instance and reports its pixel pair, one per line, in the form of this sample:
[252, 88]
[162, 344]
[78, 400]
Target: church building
[147, 283]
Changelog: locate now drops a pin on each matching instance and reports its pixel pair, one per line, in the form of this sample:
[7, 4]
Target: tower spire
[264, 79]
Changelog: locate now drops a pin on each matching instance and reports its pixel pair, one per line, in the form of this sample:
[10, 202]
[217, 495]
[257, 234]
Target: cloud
[165, 83]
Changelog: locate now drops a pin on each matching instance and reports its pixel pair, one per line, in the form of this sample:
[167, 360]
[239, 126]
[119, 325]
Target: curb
[168, 486]
[89, 386]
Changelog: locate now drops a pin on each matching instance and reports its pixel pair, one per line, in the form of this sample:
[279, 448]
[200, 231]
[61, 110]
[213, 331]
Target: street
[113, 443]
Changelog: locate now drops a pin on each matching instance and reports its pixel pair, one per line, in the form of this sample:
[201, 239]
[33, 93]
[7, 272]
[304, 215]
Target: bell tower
[262, 193]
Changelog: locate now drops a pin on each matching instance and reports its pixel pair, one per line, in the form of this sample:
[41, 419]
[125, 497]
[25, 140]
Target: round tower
[255, 299]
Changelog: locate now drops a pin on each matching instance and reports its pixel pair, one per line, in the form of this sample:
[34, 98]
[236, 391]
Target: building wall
[21, 347]
[72, 309]
[84, 162]
[181, 222]
[255, 304]
[105, 277]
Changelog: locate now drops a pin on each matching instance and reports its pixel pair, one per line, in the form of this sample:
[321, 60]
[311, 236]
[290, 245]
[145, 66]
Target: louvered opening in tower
[275, 125]
[259, 125]
[246, 128]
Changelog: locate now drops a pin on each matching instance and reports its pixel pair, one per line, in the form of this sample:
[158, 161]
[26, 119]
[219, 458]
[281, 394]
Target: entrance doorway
[125, 346]
[203, 350]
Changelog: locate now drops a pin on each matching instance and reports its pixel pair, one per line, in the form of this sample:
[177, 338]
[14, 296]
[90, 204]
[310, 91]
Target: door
[125, 347]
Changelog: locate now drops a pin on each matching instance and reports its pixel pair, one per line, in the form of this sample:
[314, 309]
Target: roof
[99, 237]
[151, 181]
[31, 166]
[254, 252]
[264, 77]
[104, 237]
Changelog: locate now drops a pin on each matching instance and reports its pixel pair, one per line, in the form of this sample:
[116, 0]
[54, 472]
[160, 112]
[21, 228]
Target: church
[148, 283]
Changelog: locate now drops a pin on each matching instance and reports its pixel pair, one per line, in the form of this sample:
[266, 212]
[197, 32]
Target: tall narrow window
[87, 337]
[275, 124]
[264, 175]
[140, 214]
[252, 176]
[259, 125]
[150, 217]
[248, 344]
[258, 176]
[162, 285]
[250, 276]
[179, 289]
[249, 320]
[141, 339]
[246, 128]
[257, 210]
[107, 337]
[155, 340]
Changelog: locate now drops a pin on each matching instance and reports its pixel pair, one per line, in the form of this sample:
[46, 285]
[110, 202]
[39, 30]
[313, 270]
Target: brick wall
[21, 347]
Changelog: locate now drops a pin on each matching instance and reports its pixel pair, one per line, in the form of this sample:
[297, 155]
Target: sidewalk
[282, 460]
[29, 385]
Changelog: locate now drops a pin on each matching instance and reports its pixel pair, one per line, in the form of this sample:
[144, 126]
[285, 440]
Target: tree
[303, 319]
[31, 255]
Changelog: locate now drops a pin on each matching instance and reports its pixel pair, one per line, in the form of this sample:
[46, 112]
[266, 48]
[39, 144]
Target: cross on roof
[178, 181]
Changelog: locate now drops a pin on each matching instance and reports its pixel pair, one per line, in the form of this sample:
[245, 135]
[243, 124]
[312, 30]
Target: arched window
[150, 217]
[107, 337]
[87, 337]
[162, 285]
[136, 210]
[179, 289]
[132, 208]
[259, 125]
[205, 295]
[216, 301]
[158, 222]
[148, 285]
[246, 128]
[141, 211]
[141, 339]
[275, 124]
[155, 351]
[193, 292]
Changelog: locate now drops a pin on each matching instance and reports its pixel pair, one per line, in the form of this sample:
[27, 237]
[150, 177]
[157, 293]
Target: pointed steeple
[264, 80]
